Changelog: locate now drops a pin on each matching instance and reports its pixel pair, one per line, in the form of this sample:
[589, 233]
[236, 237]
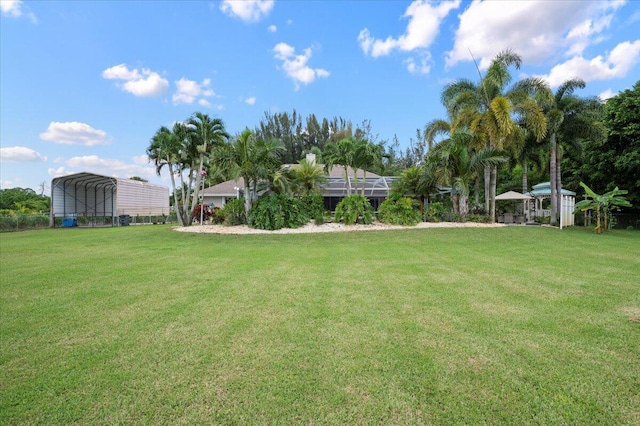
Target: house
[376, 188]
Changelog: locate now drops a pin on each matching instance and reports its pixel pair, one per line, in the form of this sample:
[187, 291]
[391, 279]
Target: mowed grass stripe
[147, 325]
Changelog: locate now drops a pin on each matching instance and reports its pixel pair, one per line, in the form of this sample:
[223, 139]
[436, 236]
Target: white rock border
[311, 228]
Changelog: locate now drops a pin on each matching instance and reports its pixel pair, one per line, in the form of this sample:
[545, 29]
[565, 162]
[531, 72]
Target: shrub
[217, 216]
[313, 206]
[276, 211]
[233, 212]
[354, 209]
[479, 218]
[403, 211]
[435, 212]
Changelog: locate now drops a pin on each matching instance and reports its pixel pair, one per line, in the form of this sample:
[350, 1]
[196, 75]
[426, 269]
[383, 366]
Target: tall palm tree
[569, 119]
[490, 110]
[366, 156]
[340, 153]
[457, 165]
[207, 133]
[254, 160]
[164, 150]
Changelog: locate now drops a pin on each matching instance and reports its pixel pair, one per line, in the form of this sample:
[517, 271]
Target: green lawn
[144, 325]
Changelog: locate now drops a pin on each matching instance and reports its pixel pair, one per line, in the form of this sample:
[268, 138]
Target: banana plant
[602, 205]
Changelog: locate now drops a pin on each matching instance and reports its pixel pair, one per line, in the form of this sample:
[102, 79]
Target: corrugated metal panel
[139, 198]
[89, 194]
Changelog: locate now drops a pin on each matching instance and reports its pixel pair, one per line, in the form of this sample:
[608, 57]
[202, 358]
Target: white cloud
[247, 10]
[295, 66]
[138, 83]
[421, 67]
[272, 28]
[74, 133]
[616, 65]
[204, 103]
[535, 29]
[105, 166]
[13, 8]
[607, 94]
[423, 27]
[188, 91]
[250, 101]
[20, 154]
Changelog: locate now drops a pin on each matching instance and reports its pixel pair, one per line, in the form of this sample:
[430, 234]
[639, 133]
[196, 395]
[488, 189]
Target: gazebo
[514, 196]
[542, 191]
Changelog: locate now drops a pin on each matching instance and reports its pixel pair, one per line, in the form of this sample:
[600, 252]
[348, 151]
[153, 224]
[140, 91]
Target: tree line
[499, 134]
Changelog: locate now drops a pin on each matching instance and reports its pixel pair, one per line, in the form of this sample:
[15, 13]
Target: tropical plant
[354, 209]
[276, 211]
[166, 149]
[568, 120]
[458, 165]
[308, 177]
[207, 133]
[340, 153]
[491, 111]
[255, 160]
[403, 211]
[417, 182]
[234, 212]
[602, 205]
[366, 156]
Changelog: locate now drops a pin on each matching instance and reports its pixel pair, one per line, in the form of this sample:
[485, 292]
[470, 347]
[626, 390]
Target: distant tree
[24, 199]
[138, 178]
[616, 160]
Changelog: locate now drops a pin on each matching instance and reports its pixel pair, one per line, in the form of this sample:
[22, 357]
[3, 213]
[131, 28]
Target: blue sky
[84, 85]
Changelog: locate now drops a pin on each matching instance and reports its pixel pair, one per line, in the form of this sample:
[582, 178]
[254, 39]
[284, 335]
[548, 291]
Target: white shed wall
[139, 198]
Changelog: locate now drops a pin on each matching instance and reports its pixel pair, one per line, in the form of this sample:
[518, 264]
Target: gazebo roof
[513, 195]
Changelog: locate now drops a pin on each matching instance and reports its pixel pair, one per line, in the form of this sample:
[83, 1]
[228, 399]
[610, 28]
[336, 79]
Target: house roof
[336, 182]
[226, 189]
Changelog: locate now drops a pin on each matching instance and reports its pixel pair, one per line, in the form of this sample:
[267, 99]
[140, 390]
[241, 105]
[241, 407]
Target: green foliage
[217, 216]
[354, 209]
[436, 212]
[403, 211]
[233, 212]
[313, 206]
[24, 200]
[276, 211]
[602, 205]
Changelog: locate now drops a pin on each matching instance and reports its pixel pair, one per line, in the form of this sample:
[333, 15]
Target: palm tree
[254, 160]
[367, 156]
[164, 151]
[490, 111]
[458, 165]
[417, 182]
[340, 153]
[308, 177]
[207, 133]
[568, 120]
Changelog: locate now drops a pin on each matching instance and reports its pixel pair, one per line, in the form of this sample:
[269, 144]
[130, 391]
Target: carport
[96, 200]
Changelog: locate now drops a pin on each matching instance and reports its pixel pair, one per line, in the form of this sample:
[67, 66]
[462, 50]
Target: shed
[100, 200]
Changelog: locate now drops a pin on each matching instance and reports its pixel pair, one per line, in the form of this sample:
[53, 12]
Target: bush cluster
[403, 211]
[276, 211]
[233, 212]
[354, 209]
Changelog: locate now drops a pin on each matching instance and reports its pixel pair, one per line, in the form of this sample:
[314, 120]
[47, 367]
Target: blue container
[69, 223]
